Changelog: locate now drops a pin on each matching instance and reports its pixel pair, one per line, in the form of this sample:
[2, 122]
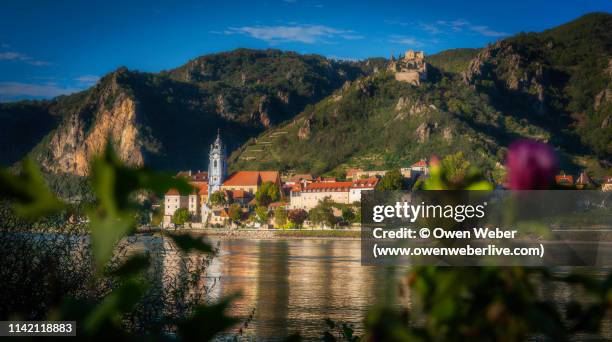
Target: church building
[217, 165]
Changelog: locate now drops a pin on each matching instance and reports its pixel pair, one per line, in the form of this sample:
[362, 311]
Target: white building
[340, 192]
[173, 201]
[360, 185]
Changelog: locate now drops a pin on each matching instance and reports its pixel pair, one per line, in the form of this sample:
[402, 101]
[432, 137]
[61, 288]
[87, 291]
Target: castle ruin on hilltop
[411, 68]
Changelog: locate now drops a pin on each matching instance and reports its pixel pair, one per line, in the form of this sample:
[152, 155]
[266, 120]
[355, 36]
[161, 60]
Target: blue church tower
[217, 166]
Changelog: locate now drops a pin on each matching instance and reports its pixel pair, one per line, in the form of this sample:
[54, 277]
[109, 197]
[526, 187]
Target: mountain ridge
[552, 86]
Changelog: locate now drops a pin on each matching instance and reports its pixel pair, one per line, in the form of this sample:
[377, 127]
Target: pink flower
[531, 165]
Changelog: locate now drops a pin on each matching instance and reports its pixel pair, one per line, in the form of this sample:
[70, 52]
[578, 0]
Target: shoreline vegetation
[265, 234]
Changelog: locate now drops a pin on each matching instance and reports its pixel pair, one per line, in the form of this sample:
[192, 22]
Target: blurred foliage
[486, 303]
[455, 173]
[107, 299]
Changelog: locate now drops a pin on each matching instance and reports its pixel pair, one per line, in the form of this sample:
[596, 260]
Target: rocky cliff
[108, 112]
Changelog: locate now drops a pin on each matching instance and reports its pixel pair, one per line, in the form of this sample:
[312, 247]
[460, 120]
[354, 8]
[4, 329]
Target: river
[293, 285]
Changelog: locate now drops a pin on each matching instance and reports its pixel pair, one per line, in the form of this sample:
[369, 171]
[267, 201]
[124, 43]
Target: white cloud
[460, 25]
[87, 79]
[12, 90]
[11, 55]
[405, 40]
[18, 56]
[433, 29]
[308, 34]
[485, 31]
[396, 22]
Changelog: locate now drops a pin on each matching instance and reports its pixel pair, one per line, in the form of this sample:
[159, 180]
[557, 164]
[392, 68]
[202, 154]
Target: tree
[267, 193]
[235, 213]
[456, 167]
[280, 217]
[297, 216]
[392, 180]
[218, 198]
[323, 213]
[158, 216]
[261, 214]
[348, 215]
[180, 216]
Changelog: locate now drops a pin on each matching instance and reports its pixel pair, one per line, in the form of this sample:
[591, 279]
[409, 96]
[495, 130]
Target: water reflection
[294, 284]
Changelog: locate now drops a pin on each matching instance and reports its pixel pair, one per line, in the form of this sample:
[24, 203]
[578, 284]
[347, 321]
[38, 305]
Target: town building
[360, 185]
[563, 179]
[217, 165]
[308, 197]
[250, 181]
[584, 181]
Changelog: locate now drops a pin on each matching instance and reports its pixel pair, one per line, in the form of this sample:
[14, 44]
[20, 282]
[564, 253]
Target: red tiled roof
[365, 183]
[277, 204]
[239, 194]
[328, 186]
[564, 179]
[299, 177]
[200, 187]
[172, 192]
[351, 172]
[420, 163]
[251, 178]
[200, 176]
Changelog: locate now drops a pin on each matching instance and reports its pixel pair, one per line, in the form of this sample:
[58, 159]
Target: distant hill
[167, 120]
[308, 113]
[453, 60]
[552, 86]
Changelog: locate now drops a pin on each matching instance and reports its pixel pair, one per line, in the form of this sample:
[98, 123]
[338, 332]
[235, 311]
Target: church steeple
[217, 165]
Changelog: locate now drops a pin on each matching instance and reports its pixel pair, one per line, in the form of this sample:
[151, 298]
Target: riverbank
[270, 234]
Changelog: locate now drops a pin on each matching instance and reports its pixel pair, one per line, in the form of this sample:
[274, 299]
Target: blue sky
[49, 48]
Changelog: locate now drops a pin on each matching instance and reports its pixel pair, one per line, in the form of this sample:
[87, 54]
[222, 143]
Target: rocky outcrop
[223, 108]
[85, 132]
[510, 71]
[603, 97]
[402, 103]
[261, 115]
[304, 131]
[447, 134]
[284, 97]
[423, 132]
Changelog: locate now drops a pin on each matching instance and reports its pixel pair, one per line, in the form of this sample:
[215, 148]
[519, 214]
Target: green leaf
[133, 265]
[187, 243]
[113, 306]
[207, 321]
[106, 231]
[30, 194]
